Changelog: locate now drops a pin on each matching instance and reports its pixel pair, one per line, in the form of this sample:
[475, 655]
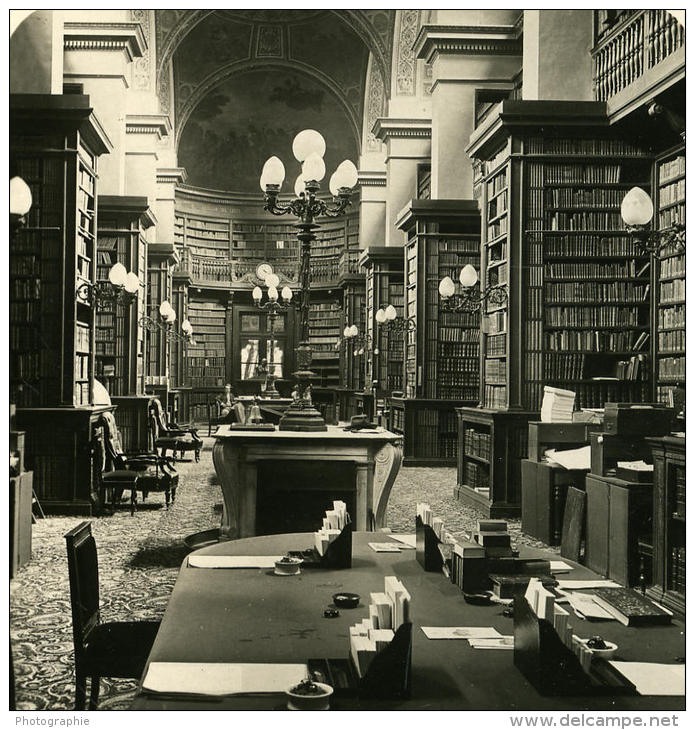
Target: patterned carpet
[139, 558]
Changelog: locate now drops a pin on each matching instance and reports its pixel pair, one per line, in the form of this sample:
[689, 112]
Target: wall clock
[263, 270]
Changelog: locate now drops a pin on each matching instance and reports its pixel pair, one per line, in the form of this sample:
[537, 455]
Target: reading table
[252, 615]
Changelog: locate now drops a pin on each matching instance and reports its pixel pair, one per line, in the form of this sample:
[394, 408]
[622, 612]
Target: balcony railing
[634, 46]
[349, 262]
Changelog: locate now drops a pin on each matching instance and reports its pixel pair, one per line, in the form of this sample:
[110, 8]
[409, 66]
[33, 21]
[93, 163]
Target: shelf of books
[353, 356]
[118, 342]
[383, 267]
[203, 235]
[578, 310]
[264, 241]
[206, 360]
[670, 306]
[326, 322]
[51, 257]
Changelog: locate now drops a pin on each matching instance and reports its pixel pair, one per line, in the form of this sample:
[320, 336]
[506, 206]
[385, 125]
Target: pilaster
[165, 202]
[372, 208]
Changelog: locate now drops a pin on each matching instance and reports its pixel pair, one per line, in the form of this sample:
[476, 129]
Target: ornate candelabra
[470, 299]
[273, 307]
[121, 288]
[388, 319]
[352, 337]
[166, 325]
[308, 148]
[637, 210]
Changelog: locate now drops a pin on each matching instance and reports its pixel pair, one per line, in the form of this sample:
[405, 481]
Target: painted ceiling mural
[253, 115]
[237, 74]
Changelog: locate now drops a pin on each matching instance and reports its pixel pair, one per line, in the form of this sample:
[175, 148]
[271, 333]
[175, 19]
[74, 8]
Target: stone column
[372, 208]
[407, 145]
[465, 59]
[165, 201]
[99, 56]
[557, 55]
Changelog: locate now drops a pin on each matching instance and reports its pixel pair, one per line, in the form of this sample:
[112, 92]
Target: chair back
[112, 438]
[83, 570]
[239, 412]
[159, 416]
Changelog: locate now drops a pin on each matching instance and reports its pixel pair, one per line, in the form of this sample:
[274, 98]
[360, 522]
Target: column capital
[157, 124]
[171, 175]
[468, 40]
[385, 128]
[126, 37]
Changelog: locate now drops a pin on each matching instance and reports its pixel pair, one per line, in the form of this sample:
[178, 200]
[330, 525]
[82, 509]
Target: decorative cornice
[127, 37]
[371, 179]
[161, 251]
[158, 124]
[467, 40]
[386, 128]
[171, 175]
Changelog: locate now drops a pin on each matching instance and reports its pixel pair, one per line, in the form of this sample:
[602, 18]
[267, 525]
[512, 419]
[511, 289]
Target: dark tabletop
[252, 615]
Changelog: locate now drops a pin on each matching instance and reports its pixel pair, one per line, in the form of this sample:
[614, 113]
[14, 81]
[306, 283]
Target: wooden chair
[110, 649]
[143, 472]
[219, 413]
[169, 435]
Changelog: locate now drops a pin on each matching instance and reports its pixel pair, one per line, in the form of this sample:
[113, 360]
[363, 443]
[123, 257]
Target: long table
[252, 615]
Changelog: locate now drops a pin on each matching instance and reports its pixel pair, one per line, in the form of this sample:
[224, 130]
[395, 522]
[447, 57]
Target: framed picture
[250, 322]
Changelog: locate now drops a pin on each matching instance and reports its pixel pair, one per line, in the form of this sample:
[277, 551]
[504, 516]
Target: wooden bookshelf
[206, 362]
[669, 347]
[161, 259]
[668, 564]
[578, 313]
[383, 267]
[353, 365]
[326, 322]
[123, 221]
[442, 351]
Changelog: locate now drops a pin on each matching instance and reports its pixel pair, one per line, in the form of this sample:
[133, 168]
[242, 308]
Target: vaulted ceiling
[246, 81]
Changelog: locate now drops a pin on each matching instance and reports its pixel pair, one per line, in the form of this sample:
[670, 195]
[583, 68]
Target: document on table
[408, 540]
[219, 679]
[653, 679]
[232, 561]
[461, 632]
[571, 459]
[585, 607]
[503, 642]
[559, 566]
[385, 547]
[575, 585]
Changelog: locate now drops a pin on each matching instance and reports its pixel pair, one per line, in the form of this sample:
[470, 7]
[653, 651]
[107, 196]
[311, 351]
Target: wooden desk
[255, 616]
[237, 454]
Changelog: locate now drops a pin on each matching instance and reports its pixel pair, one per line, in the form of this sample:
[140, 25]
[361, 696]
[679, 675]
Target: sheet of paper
[654, 679]
[232, 561]
[194, 678]
[385, 547]
[407, 539]
[585, 607]
[461, 632]
[503, 642]
[572, 459]
[559, 566]
[575, 585]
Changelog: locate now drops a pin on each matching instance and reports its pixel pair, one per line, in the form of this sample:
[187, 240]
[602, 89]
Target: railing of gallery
[640, 42]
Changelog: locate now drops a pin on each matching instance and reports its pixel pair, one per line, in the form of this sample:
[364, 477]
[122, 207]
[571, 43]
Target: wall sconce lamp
[637, 211]
[168, 317]
[122, 288]
[470, 299]
[353, 338]
[388, 319]
[20, 203]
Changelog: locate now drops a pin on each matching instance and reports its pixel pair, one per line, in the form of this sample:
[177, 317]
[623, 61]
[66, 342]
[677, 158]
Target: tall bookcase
[55, 142]
[326, 322]
[442, 350]
[383, 267]
[550, 177]
[669, 347]
[353, 365]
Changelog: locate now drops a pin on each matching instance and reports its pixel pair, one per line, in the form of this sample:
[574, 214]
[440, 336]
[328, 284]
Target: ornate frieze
[126, 37]
[405, 61]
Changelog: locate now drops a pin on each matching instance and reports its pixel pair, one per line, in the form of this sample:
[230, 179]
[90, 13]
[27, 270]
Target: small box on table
[638, 419]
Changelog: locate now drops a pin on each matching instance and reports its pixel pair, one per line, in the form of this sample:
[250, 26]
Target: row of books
[82, 333]
[457, 392]
[497, 183]
[81, 367]
[477, 443]
[575, 146]
[81, 394]
[459, 378]
[388, 610]
[497, 252]
[584, 221]
[672, 340]
[452, 334]
[668, 316]
[580, 173]
[497, 159]
[498, 228]
[564, 366]
[673, 266]
[596, 394]
[458, 319]
[498, 205]
[595, 340]
[25, 312]
[677, 570]
[673, 193]
[592, 270]
[679, 491]
[476, 476]
[333, 523]
[458, 350]
[672, 291]
[495, 396]
[495, 322]
[672, 216]
[495, 370]
[608, 292]
[25, 288]
[25, 264]
[589, 246]
[496, 345]
[671, 367]
[584, 197]
[671, 168]
[616, 315]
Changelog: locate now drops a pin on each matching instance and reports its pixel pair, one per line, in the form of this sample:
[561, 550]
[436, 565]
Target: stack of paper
[333, 523]
[557, 406]
[387, 611]
[424, 512]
